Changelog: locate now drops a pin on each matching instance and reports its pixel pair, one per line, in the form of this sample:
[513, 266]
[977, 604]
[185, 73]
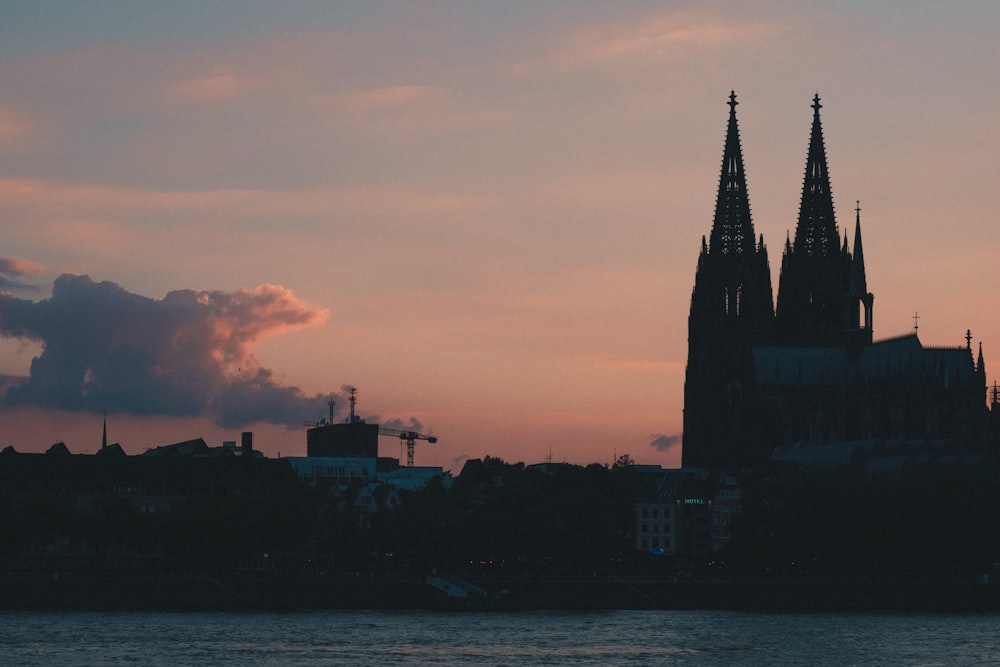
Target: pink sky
[497, 207]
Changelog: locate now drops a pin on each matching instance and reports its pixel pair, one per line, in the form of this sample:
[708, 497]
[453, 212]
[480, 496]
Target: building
[345, 455]
[731, 312]
[686, 513]
[340, 472]
[807, 371]
[352, 439]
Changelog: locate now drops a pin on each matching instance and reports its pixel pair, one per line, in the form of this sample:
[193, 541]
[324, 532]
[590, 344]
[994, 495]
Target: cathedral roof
[800, 365]
[895, 349]
[832, 365]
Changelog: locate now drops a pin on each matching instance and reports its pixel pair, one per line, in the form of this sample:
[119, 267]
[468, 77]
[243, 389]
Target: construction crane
[410, 437]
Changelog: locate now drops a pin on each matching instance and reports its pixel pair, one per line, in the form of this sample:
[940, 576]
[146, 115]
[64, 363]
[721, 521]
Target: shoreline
[276, 592]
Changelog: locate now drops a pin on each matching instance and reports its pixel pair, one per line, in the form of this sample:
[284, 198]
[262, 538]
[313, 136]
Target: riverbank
[271, 592]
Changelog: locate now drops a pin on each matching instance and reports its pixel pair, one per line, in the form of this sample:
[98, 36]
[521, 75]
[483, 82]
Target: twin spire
[823, 291]
[732, 231]
[816, 232]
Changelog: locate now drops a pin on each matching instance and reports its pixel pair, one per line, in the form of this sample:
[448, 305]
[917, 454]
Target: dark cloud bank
[189, 354]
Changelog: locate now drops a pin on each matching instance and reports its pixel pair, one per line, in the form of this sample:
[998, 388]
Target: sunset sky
[484, 215]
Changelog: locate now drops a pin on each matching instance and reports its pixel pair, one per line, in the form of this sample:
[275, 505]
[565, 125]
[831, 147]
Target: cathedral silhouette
[763, 379]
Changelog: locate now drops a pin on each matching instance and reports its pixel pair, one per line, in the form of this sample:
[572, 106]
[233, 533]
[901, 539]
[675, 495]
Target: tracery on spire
[732, 230]
[816, 232]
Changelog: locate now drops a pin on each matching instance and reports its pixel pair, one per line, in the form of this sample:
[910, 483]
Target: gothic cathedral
[807, 372]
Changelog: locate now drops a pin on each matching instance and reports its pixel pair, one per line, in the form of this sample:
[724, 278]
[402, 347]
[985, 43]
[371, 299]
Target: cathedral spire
[860, 300]
[814, 307]
[731, 311]
[732, 230]
[859, 286]
[816, 232]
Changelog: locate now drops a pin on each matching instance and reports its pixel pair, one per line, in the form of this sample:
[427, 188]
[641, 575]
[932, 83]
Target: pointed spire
[859, 285]
[104, 437]
[980, 362]
[732, 230]
[816, 233]
[813, 307]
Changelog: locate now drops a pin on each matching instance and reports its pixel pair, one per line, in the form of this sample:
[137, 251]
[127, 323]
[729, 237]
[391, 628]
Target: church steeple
[816, 232]
[732, 229]
[860, 300]
[731, 311]
[813, 306]
[859, 285]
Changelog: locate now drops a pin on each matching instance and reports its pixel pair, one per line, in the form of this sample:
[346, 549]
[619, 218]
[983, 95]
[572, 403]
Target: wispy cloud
[218, 82]
[67, 200]
[12, 269]
[389, 97]
[407, 111]
[651, 39]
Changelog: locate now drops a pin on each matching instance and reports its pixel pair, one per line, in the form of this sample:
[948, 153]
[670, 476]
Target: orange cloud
[406, 111]
[651, 39]
[389, 97]
[220, 82]
[15, 266]
[74, 201]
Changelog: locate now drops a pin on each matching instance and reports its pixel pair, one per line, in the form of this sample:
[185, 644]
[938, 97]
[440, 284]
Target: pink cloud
[651, 39]
[15, 266]
[389, 97]
[219, 82]
[406, 111]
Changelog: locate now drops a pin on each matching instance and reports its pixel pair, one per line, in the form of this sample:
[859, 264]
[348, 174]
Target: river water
[525, 638]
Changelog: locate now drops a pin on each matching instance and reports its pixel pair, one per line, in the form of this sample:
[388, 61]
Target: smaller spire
[859, 283]
[104, 436]
[980, 362]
